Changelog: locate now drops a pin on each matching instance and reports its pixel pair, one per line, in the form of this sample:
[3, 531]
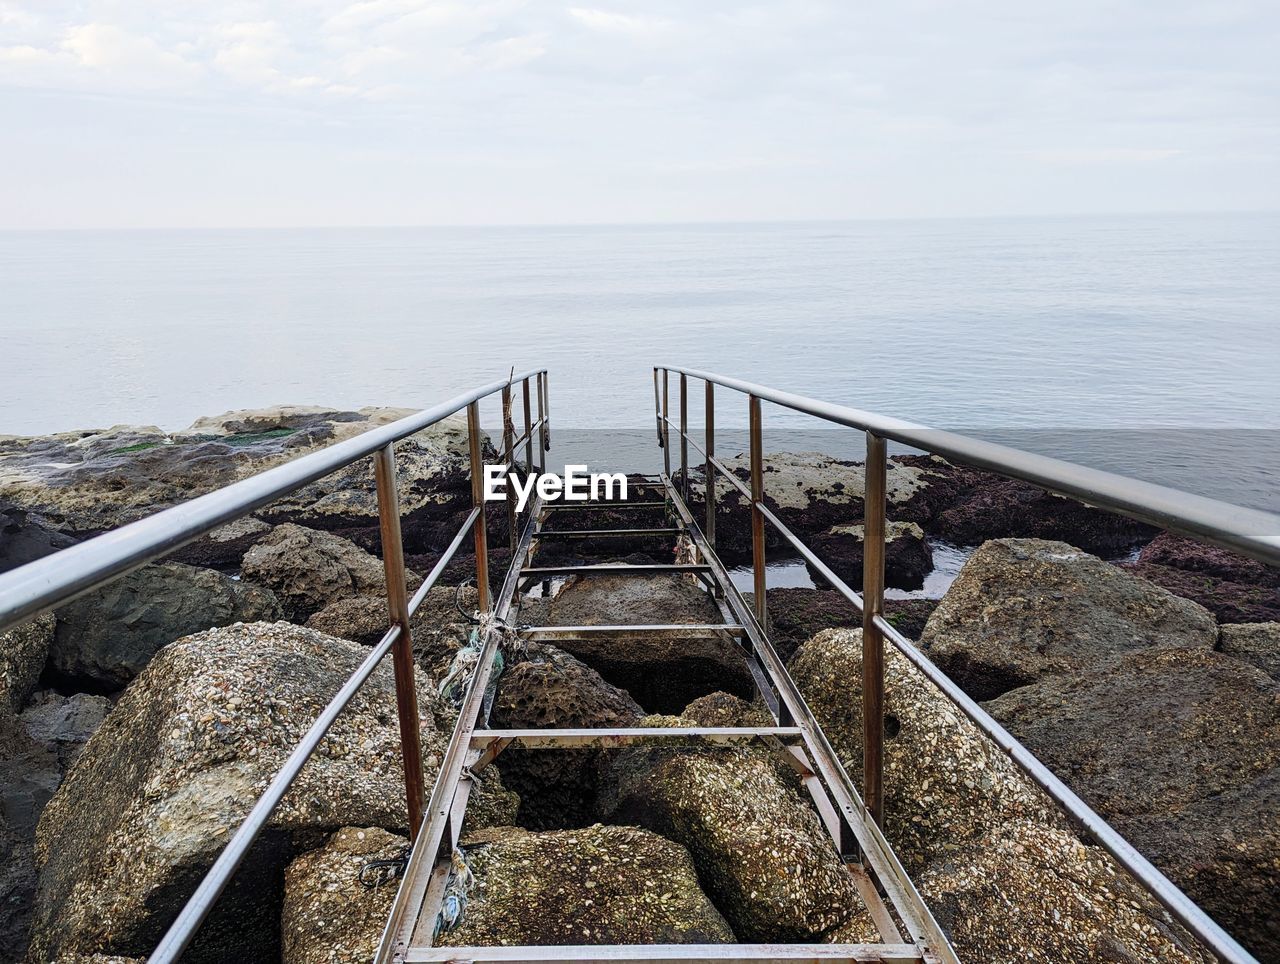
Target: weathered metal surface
[673, 953]
[384, 462]
[873, 512]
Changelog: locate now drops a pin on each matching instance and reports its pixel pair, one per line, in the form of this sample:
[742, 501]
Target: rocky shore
[139, 723]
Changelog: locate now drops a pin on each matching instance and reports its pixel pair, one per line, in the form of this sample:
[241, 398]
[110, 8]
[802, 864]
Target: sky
[266, 113]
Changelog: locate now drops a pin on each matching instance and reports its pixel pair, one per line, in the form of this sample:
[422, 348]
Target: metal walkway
[907, 930]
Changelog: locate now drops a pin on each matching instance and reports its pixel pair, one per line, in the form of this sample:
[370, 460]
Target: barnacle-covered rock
[545, 689]
[331, 916]
[105, 637]
[944, 782]
[23, 651]
[185, 753]
[1024, 609]
[761, 853]
[592, 885]
[662, 672]
[309, 570]
[1256, 643]
[907, 556]
[1027, 892]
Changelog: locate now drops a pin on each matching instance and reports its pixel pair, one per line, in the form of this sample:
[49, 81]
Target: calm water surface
[1033, 330]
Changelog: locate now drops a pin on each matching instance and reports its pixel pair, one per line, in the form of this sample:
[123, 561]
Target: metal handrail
[57, 579]
[1249, 531]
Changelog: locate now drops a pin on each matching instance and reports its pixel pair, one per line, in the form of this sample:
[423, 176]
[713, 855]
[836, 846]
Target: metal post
[709, 470]
[508, 460]
[543, 444]
[477, 499]
[873, 535]
[684, 437]
[657, 407]
[666, 435]
[546, 409]
[528, 430]
[757, 517]
[384, 465]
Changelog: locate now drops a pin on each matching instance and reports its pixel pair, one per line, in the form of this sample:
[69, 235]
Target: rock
[1256, 643]
[761, 854]
[1230, 602]
[179, 761]
[945, 783]
[593, 885]
[329, 916]
[26, 536]
[1024, 609]
[29, 774]
[91, 481]
[796, 614]
[551, 689]
[1179, 749]
[908, 558]
[225, 546]
[106, 637]
[363, 619]
[1179, 552]
[725, 709]
[1032, 893]
[662, 673]
[65, 723]
[23, 652]
[309, 570]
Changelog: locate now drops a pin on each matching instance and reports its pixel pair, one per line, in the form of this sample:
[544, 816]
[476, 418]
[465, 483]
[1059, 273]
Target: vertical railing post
[657, 407]
[508, 460]
[873, 535]
[384, 470]
[477, 499]
[546, 410]
[666, 435]
[542, 426]
[528, 429]
[684, 436]
[757, 517]
[709, 470]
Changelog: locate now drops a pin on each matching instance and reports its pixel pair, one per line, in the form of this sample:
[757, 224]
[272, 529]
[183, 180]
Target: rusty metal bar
[552, 633]
[565, 738]
[508, 457]
[657, 410]
[477, 501]
[384, 462]
[605, 533]
[709, 469]
[608, 569]
[758, 574]
[684, 436]
[589, 506]
[528, 426]
[873, 548]
[544, 442]
[672, 953]
[546, 408]
[666, 435]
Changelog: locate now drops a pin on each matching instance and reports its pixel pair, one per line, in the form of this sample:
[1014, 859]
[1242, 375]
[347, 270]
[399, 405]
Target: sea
[1144, 345]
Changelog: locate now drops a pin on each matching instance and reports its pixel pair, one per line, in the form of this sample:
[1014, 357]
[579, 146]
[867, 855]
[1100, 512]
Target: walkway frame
[1250, 532]
[50, 582]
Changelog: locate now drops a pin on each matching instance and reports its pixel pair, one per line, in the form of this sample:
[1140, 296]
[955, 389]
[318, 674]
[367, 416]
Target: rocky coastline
[138, 723]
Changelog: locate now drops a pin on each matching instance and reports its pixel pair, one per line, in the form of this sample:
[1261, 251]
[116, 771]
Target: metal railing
[50, 582]
[1247, 531]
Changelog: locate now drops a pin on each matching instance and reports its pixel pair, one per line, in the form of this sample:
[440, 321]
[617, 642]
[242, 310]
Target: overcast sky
[329, 112]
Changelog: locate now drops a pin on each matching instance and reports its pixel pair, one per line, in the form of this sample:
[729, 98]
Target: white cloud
[608, 21]
[108, 47]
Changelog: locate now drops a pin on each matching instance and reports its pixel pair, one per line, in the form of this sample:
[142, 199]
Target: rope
[465, 661]
[454, 902]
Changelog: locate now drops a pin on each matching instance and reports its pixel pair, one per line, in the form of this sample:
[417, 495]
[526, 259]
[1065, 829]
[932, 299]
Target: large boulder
[64, 723]
[225, 546]
[1179, 552]
[761, 853]
[1256, 643]
[1179, 749]
[548, 688]
[1033, 893]
[1025, 609]
[185, 753]
[663, 673]
[945, 783]
[309, 569]
[592, 885]
[992, 857]
[106, 637]
[1228, 600]
[908, 558]
[330, 916]
[23, 652]
[796, 614]
[90, 481]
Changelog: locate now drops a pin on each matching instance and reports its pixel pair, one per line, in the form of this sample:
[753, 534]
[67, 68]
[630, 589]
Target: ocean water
[1145, 345]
